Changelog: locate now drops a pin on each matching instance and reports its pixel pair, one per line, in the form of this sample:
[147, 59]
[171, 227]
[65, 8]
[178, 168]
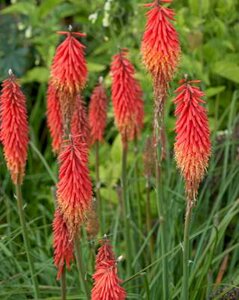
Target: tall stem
[97, 187]
[125, 204]
[63, 284]
[149, 219]
[137, 177]
[162, 228]
[26, 239]
[160, 154]
[185, 287]
[80, 267]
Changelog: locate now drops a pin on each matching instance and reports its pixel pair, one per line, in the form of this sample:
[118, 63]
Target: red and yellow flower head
[160, 45]
[54, 118]
[69, 72]
[106, 281]
[98, 113]
[127, 97]
[14, 127]
[74, 189]
[192, 147]
[79, 125]
[63, 245]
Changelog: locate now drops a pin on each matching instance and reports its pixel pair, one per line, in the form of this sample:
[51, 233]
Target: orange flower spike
[14, 127]
[69, 70]
[192, 147]
[74, 189]
[160, 45]
[63, 246]
[79, 125]
[127, 97]
[106, 281]
[98, 112]
[54, 118]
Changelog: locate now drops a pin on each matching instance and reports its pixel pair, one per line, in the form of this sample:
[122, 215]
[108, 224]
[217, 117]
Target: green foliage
[209, 34]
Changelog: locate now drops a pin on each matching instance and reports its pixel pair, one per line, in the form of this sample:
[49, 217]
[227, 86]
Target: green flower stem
[185, 287]
[81, 267]
[97, 189]
[26, 239]
[63, 284]
[161, 214]
[149, 218]
[125, 207]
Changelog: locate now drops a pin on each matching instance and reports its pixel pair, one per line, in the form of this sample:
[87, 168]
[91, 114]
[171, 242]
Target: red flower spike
[160, 45]
[54, 118]
[79, 125]
[14, 127]
[98, 113]
[192, 147]
[106, 281]
[74, 189]
[69, 71]
[127, 97]
[63, 246]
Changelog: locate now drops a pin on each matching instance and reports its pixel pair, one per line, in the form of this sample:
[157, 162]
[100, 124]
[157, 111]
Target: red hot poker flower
[127, 97]
[54, 118]
[106, 281]
[69, 71]
[74, 189]
[160, 45]
[79, 125]
[98, 113]
[192, 147]
[63, 246]
[14, 127]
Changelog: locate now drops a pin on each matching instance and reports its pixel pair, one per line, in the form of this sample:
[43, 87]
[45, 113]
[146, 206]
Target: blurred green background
[209, 35]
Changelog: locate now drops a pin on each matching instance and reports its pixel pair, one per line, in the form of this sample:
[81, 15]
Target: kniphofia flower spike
[106, 281]
[160, 45]
[14, 127]
[54, 118]
[69, 72]
[79, 125]
[192, 147]
[63, 245]
[74, 189]
[98, 112]
[127, 97]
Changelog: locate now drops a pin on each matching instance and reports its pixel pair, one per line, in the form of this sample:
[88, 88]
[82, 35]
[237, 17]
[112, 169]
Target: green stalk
[149, 219]
[80, 267]
[185, 286]
[63, 284]
[160, 154]
[97, 188]
[162, 228]
[137, 178]
[125, 205]
[26, 239]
